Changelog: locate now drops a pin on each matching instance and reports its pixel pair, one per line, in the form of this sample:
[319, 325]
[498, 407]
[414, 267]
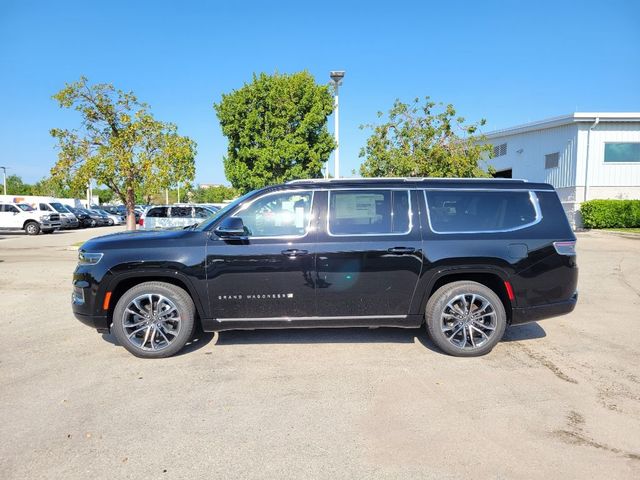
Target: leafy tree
[215, 194]
[277, 130]
[424, 140]
[15, 186]
[104, 194]
[119, 145]
[51, 187]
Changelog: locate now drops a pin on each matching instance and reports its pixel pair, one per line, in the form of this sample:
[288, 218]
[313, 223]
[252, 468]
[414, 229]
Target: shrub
[611, 213]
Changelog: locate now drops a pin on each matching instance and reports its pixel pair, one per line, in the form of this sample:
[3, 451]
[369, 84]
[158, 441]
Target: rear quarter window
[460, 211]
[158, 212]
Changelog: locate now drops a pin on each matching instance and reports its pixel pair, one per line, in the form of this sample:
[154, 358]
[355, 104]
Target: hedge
[611, 213]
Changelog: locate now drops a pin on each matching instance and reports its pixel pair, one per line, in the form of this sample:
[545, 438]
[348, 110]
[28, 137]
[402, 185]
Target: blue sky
[509, 62]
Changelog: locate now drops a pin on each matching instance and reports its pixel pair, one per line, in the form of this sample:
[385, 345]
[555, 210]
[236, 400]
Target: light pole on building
[4, 178]
[336, 81]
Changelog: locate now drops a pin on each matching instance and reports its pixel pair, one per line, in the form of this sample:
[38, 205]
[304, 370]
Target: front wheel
[154, 319]
[32, 228]
[465, 319]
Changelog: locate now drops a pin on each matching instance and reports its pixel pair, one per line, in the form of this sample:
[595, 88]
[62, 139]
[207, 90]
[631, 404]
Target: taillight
[141, 222]
[565, 248]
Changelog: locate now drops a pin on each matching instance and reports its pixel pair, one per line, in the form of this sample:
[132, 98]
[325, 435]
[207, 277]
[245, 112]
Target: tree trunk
[131, 205]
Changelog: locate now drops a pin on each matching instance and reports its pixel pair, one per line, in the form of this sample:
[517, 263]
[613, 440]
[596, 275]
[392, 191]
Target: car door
[268, 274]
[9, 216]
[369, 255]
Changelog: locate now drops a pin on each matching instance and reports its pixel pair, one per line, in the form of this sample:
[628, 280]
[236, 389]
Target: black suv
[465, 257]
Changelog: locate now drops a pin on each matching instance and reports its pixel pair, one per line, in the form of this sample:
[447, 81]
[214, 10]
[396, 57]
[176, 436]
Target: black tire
[32, 228]
[110, 222]
[185, 310]
[449, 329]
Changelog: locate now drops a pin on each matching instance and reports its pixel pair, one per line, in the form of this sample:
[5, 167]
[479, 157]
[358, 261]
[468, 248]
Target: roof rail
[401, 179]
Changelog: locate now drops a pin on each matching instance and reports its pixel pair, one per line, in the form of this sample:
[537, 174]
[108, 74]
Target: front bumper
[100, 323]
[540, 312]
[47, 225]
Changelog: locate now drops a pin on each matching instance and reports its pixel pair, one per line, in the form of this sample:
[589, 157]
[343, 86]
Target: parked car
[67, 218]
[102, 219]
[83, 217]
[112, 219]
[171, 216]
[20, 216]
[463, 257]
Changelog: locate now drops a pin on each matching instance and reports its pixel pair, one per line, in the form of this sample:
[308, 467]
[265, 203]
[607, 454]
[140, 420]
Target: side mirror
[231, 227]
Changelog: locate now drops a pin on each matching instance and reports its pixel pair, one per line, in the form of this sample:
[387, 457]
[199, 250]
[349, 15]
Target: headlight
[88, 258]
[44, 217]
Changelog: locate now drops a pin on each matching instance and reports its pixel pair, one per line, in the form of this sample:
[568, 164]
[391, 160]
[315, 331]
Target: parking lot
[555, 399]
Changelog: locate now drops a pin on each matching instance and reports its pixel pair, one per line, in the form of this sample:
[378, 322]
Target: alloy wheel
[151, 322]
[468, 321]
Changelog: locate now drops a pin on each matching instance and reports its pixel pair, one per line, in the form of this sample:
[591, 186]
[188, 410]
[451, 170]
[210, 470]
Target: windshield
[60, 208]
[25, 207]
[215, 216]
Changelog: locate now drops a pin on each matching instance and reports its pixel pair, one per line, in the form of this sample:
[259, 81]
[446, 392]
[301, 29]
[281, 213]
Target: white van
[46, 205]
[20, 216]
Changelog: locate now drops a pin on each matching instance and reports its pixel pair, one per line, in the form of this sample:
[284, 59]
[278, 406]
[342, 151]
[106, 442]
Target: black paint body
[326, 280]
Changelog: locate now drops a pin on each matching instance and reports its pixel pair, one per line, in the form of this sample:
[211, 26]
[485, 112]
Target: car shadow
[526, 331]
[298, 336]
[199, 340]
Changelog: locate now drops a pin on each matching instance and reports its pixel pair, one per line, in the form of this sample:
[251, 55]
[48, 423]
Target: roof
[577, 117]
[417, 182]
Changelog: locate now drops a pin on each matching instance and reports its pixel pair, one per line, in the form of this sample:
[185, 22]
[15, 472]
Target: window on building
[468, 211]
[622, 152]
[552, 160]
[369, 212]
[500, 150]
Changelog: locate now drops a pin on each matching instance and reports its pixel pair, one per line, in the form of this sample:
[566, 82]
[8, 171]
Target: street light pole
[4, 178]
[336, 80]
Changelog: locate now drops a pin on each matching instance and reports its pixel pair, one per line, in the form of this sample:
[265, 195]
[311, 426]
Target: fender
[432, 276]
[157, 274]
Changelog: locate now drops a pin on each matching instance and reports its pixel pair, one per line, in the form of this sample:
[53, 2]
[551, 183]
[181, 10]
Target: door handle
[294, 252]
[401, 250]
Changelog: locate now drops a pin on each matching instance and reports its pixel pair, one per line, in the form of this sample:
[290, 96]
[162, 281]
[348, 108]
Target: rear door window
[180, 212]
[469, 211]
[369, 212]
[201, 212]
[158, 212]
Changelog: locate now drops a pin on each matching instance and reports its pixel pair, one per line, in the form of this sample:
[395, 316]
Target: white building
[583, 155]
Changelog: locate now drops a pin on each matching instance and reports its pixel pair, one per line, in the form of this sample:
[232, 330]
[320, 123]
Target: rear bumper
[540, 312]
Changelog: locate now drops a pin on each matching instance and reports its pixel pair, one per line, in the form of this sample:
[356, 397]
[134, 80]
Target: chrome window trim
[277, 192]
[533, 198]
[393, 234]
[289, 319]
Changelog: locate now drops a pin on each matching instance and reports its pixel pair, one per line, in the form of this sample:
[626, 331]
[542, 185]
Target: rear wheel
[154, 319]
[32, 228]
[465, 319]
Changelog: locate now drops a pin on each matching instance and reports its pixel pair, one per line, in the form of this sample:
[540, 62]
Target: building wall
[603, 174]
[526, 155]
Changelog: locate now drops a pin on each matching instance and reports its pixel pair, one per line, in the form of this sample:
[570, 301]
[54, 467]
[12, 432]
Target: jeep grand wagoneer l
[464, 257]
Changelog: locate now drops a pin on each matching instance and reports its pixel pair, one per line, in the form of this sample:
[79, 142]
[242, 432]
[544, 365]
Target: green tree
[51, 187]
[15, 186]
[214, 194]
[424, 140]
[277, 130]
[119, 145]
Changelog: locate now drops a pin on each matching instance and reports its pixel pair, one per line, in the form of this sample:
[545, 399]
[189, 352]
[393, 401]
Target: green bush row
[611, 213]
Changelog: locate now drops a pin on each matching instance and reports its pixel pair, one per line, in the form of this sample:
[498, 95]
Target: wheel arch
[490, 278]
[120, 284]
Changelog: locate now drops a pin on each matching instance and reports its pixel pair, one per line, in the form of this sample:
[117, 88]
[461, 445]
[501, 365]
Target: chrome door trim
[289, 319]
